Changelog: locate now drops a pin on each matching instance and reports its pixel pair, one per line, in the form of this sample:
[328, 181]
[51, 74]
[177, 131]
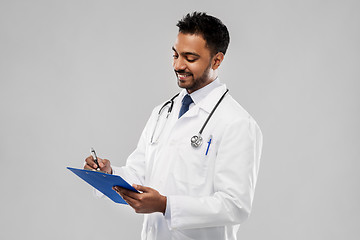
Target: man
[190, 191]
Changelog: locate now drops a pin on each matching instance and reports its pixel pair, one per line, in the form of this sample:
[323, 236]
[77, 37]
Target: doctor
[203, 190]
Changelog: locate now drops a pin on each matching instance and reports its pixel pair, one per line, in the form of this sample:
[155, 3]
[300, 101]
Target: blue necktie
[185, 104]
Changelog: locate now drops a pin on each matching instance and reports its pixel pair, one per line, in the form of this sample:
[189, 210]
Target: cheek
[193, 67]
[197, 70]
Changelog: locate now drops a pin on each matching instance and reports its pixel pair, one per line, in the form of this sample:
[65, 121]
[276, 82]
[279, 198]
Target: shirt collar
[201, 93]
[211, 95]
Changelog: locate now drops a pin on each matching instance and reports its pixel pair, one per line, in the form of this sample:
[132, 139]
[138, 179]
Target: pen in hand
[93, 154]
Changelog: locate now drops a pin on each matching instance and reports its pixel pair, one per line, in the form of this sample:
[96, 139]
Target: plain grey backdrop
[76, 74]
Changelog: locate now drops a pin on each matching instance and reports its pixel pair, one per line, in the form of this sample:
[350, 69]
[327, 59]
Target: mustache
[182, 72]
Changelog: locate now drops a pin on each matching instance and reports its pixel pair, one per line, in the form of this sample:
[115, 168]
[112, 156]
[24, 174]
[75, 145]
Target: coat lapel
[208, 103]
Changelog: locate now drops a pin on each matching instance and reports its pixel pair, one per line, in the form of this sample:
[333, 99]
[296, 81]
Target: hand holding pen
[95, 163]
[93, 154]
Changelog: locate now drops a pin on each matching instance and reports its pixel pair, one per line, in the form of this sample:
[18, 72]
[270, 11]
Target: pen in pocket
[209, 142]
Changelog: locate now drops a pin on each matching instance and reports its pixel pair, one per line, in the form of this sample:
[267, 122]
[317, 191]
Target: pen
[209, 142]
[93, 154]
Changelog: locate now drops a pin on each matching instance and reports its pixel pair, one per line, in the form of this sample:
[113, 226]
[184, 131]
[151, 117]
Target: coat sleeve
[236, 169]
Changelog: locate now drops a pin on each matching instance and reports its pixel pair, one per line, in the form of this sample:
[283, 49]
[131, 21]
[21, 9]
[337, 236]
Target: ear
[217, 60]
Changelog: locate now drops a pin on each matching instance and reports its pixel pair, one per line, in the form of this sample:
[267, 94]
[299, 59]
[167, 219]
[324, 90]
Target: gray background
[76, 74]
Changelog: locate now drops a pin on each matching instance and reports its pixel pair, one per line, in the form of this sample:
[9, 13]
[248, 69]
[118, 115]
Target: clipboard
[104, 182]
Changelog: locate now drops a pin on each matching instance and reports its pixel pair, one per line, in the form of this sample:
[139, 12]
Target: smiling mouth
[183, 76]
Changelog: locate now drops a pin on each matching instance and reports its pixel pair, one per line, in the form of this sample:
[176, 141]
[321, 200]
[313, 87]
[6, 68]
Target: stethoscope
[196, 140]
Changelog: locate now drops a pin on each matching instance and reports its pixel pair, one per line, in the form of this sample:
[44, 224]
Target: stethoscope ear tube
[171, 101]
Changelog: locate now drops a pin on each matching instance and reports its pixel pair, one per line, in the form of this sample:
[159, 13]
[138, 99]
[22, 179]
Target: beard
[195, 83]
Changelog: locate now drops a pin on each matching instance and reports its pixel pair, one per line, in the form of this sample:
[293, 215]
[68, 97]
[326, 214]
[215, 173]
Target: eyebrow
[186, 53]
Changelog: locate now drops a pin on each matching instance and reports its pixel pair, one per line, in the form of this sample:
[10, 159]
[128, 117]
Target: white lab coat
[208, 195]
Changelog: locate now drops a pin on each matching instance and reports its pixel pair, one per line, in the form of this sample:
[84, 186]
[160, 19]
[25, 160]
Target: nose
[179, 64]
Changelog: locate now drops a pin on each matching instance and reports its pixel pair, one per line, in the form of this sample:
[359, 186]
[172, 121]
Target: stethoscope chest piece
[196, 141]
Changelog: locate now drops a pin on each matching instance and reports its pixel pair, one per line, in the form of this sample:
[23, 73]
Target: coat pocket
[191, 164]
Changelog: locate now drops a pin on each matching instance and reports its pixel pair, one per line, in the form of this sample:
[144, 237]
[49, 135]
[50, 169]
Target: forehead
[191, 43]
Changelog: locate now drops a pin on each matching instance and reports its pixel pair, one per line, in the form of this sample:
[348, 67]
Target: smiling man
[193, 62]
[197, 159]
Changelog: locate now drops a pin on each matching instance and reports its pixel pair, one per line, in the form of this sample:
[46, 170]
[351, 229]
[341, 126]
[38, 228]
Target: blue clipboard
[104, 182]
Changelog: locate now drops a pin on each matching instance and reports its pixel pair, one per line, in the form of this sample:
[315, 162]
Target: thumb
[101, 162]
[141, 188]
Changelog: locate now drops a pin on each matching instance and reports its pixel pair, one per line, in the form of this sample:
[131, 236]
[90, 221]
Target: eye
[175, 56]
[191, 59]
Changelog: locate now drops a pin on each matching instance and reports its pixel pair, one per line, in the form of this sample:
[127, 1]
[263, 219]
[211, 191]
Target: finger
[129, 200]
[90, 161]
[119, 190]
[101, 162]
[122, 196]
[135, 204]
[88, 167]
[127, 192]
[132, 202]
[142, 188]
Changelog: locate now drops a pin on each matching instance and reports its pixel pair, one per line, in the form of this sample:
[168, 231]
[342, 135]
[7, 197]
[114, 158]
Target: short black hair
[210, 28]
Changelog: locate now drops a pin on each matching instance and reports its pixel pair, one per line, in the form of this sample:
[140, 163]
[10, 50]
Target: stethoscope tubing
[196, 140]
[171, 101]
[212, 112]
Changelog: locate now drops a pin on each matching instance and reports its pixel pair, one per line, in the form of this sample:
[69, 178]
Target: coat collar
[207, 103]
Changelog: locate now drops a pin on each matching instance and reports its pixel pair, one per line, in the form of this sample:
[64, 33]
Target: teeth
[183, 76]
